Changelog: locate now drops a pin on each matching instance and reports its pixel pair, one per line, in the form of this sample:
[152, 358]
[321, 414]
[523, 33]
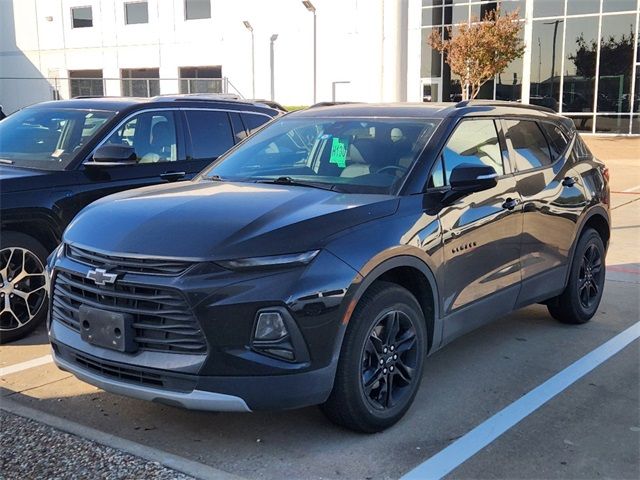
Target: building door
[431, 90]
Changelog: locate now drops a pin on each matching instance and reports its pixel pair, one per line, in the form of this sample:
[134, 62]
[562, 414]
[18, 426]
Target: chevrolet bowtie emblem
[101, 277]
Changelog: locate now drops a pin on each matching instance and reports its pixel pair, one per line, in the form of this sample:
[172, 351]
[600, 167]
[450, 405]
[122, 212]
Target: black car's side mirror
[468, 178]
[113, 155]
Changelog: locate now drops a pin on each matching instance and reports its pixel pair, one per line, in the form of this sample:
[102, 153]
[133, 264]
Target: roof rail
[502, 103]
[330, 104]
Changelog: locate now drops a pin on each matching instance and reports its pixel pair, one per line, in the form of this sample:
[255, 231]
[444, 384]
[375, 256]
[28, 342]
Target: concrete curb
[175, 462]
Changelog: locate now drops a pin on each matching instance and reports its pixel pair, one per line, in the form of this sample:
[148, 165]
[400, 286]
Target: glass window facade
[136, 12]
[140, 82]
[583, 59]
[81, 17]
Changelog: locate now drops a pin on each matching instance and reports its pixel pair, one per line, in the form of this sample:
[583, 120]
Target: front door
[481, 232]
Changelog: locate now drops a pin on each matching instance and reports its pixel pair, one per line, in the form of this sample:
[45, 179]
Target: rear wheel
[22, 285]
[581, 298]
[381, 362]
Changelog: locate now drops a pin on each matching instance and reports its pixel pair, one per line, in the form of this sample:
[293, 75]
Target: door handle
[568, 182]
[510, 203]
[172, 176]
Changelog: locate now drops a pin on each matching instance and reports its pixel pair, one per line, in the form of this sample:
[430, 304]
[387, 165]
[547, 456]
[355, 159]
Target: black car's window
[48, 138]
[557, 140]
[348, 154]
[239, 132]
[253, 122]
[473, 141]
[528, 143]
[211, 133]
[151, 134]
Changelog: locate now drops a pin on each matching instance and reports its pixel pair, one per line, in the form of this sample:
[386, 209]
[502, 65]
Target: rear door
[553, 198]
[481, 232]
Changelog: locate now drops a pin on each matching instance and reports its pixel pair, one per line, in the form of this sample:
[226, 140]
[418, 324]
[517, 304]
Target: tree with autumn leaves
[480, 50]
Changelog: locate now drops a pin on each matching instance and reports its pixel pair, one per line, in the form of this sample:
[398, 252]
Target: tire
[23, 295]
[581, 298]
[369, 409]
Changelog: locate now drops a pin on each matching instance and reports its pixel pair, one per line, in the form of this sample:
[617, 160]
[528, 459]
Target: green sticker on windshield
[339, 148]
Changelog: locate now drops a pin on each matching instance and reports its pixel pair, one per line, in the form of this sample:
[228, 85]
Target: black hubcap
[389, 360]
[589, 276]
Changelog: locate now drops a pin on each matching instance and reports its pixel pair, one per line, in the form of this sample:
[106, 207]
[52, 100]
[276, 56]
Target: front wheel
[580, 299]
[23, 295]
[381, 361]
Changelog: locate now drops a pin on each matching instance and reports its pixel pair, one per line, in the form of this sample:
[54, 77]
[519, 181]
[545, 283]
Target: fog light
[270, 326]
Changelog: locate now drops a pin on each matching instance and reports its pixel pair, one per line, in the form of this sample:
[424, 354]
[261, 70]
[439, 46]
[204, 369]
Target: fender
[37, 223]
[371, 274]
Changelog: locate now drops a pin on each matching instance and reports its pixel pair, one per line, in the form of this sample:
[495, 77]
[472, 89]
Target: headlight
[271, 261]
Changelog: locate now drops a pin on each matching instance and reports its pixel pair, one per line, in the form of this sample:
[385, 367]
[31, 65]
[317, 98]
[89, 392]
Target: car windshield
[364, 155]
[47, 138]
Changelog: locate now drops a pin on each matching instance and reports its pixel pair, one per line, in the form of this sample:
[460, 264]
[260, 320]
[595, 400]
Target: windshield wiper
[7, 162]
[294, 182]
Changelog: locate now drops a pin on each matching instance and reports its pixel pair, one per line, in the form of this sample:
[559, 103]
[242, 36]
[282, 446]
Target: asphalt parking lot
[591, 429]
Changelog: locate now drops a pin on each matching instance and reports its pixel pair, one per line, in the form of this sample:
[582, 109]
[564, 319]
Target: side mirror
[468, 178]
[113, 155]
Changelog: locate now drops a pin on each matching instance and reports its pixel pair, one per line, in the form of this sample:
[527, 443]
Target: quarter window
[211, 133]
[475, 142]
[151, 134]
[253, 122]
[557, 140]
[528, 144]
[81, 17]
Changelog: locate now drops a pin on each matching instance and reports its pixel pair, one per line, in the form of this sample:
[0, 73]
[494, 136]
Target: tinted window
[48, 138]
[211, 134]
[81, 17]
[151, 134]
[557, 140]
[195, 9]
[238, 128]
[253, 122]
[528, 143]
[137, 12]
[475, 142]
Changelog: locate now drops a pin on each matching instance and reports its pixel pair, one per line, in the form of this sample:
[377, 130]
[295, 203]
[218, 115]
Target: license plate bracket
[107, 329]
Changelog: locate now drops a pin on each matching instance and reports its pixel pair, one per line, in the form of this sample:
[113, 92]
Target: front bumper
[194, 400]
[195, 392]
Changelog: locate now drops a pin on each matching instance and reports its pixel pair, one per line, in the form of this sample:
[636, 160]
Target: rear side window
[211, 133]
[528, 143]
[557, 140]
[473, 141]
[253, 121]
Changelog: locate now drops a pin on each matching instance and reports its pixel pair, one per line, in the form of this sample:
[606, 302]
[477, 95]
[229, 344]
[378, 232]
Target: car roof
[423, 110]
[117, 104]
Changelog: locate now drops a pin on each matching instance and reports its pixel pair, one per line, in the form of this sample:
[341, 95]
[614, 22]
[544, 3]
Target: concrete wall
[358, 41]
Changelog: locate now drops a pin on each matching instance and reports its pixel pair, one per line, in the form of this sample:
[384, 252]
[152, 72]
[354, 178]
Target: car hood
[220, 220]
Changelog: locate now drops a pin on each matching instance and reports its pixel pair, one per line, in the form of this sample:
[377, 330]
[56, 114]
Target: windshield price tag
[339, 152]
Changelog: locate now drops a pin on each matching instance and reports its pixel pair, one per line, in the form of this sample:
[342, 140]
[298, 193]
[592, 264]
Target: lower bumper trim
[195, 400]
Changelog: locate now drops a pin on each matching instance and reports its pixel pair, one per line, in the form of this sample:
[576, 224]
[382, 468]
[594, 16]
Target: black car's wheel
[23, 294]
[579, 301]
[381, 361]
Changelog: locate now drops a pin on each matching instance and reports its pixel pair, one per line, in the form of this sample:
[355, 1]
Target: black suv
[322, 259]
[57, 157]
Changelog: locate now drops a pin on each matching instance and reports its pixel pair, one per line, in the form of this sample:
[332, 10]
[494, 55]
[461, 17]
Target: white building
[581, 56]
[64, 48]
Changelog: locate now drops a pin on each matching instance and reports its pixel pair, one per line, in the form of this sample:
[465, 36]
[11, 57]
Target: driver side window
[151, 134]
[474, 142]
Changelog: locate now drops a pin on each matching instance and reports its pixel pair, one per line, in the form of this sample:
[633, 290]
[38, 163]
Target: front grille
[125, 374]
[148, 266]
[161, 317]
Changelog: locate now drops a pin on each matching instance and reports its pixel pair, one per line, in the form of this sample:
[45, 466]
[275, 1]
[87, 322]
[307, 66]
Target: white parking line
[18, 367]
[632, 189]
[471, 443]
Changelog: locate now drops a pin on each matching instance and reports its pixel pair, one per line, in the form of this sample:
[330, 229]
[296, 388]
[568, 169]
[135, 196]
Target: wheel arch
[39, 228]
[408, 272]
[597, 218]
